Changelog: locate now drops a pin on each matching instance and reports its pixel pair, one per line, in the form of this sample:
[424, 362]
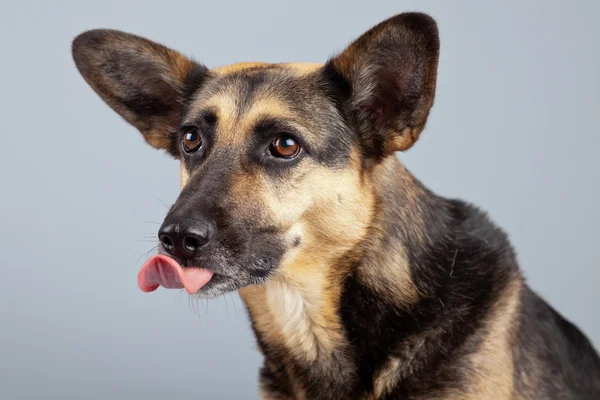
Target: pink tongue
[164, 271]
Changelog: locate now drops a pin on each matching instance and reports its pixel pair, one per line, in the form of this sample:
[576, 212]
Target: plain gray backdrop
[514, 129]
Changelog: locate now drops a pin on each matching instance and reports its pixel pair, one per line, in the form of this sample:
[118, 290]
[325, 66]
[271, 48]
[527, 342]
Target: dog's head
[276, 159]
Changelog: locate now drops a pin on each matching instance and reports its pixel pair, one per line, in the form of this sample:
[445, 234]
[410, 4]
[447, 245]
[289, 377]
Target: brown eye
[285, 147]
[191, 140]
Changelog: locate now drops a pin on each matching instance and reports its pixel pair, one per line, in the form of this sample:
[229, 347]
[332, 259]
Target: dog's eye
[191, 140]
[285, 147]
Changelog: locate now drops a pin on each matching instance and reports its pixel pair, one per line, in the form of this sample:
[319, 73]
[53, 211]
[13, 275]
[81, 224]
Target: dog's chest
[299, 319]
[301, 336]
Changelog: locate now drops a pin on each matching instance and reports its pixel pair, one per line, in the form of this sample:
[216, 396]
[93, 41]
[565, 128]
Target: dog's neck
[341, 317]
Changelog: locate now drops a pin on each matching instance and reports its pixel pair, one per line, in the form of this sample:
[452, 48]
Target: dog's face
[276, 159]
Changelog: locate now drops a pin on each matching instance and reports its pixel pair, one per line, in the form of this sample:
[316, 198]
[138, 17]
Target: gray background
[514, 130]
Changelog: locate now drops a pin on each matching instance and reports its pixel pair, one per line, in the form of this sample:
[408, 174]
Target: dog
[360, 283]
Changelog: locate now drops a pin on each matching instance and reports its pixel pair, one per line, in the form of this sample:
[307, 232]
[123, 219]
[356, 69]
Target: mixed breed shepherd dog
[360, 283]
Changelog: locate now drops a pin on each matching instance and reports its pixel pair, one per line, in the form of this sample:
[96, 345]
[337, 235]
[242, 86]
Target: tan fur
[224, 104]
[403, 140]
[184, 175]
[410, 208]
[386, 378]
[301, 67]
[492, 364]
[266, 106]
[238, 67]
[398, 285]
[267, 395]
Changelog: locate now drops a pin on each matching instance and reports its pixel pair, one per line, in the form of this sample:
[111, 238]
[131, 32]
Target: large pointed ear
[145, 82]
[388, 77]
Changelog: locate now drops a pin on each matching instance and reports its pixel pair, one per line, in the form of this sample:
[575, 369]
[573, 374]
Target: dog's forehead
[242, 94]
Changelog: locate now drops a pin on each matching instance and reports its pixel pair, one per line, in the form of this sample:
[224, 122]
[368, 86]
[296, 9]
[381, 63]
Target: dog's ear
[145, 82]
[386, 81]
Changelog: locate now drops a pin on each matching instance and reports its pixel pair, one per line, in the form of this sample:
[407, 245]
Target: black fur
[571, 366]
[463, 268]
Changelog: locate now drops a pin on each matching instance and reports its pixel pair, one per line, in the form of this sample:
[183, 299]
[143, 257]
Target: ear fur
[390, 77]
[144, 82]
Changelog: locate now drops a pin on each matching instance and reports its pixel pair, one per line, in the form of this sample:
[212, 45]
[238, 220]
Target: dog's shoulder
[552, 357]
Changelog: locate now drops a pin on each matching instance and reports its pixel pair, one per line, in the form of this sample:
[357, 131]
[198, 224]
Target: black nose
[184, 238]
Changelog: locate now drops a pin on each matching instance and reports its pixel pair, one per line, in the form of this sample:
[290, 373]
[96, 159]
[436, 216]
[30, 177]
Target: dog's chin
[220, 285]
[230, 279]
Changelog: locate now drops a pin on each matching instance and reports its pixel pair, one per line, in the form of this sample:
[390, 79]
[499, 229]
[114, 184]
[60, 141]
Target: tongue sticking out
[164, 271]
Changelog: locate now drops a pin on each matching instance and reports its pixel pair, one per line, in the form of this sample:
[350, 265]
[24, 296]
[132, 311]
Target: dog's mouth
[166, 272]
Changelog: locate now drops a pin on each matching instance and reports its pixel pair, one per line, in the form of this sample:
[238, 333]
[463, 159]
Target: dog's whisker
[146, 254]
[226, 305]
[206, 307]
[196, 305]
[234, 306]
[164, 203]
